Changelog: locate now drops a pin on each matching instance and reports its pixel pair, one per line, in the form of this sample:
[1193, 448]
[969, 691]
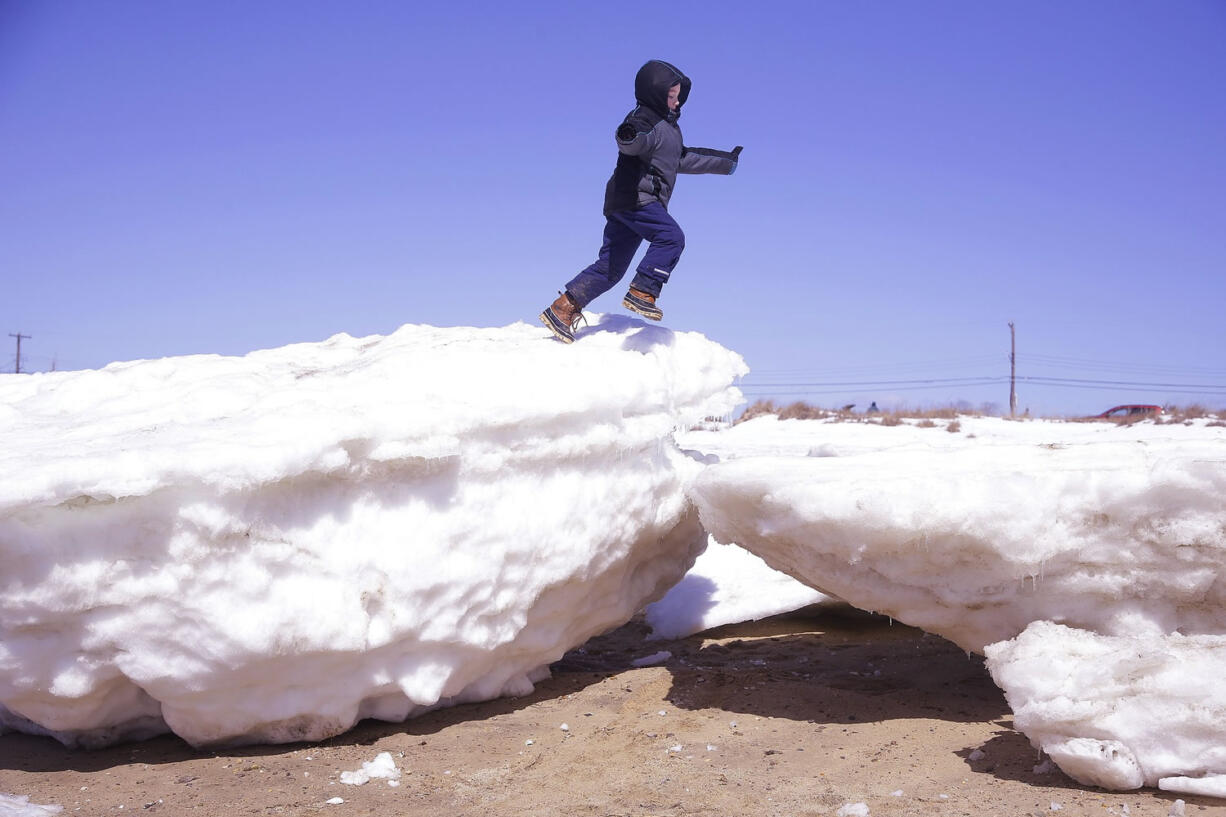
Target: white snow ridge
[975, 542]
[269, 548]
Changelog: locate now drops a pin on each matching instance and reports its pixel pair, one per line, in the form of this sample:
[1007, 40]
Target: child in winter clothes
[650, 155]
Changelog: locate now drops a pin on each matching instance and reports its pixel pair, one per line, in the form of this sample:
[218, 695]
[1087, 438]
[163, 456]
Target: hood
[652, 82]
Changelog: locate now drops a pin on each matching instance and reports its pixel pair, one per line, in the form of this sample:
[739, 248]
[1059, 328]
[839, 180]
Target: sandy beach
[794, 715]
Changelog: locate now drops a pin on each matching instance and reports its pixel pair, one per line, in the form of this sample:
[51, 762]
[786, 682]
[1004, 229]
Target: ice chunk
[269, 548]
[381, 768]
[976, 540]
[1106, 763]
[1211, 785]
[19, 805]
[652, 660]
[1120, 712]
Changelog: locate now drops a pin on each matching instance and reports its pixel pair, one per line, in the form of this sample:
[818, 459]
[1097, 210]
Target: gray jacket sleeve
[634, 141]
[706, 160]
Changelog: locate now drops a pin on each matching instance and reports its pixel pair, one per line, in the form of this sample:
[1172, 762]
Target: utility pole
[19, 336]
[1012, 370]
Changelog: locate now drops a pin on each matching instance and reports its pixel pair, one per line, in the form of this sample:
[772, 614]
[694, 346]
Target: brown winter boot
[562, 317]
[638, 301]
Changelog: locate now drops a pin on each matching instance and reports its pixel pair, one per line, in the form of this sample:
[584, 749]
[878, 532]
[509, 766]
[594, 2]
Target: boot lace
[578, 316]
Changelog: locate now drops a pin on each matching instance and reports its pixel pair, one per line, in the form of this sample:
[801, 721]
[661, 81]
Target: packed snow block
[269, 548]
[1120, 712]
[975, 543]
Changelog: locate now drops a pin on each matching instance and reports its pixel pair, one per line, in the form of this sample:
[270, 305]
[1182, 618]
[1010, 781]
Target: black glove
[626, 132]
[736, 153]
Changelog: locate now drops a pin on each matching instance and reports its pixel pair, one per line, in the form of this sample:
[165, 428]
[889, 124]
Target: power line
[750, 392]
[1131, 383]
[1061, 362]
[936, 381]
[1164, 388]
[799, 382]
[985, 379]
[894, 367]
[833, 386]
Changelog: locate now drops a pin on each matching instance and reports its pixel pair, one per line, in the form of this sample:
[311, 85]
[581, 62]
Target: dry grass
[804, 411]
[1192, 412]
[801, 410]
[1185, 414]
[926, 418]
[758, 409]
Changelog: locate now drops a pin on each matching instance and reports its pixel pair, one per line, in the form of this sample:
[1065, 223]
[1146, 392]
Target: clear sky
[222, 176]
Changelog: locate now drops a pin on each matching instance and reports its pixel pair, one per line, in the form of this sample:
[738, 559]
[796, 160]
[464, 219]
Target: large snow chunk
[269, 548]
[975, 542]
[1118, 711]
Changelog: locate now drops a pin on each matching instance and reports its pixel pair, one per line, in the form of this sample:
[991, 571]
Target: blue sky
[222, 176]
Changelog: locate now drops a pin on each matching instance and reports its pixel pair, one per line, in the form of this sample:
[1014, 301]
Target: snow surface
[727, 584]
[853, 810]
[269, 548]
[1120, 712]
[12, 805]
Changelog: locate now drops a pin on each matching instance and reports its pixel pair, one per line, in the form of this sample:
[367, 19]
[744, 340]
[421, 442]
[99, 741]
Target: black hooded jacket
[650, 149]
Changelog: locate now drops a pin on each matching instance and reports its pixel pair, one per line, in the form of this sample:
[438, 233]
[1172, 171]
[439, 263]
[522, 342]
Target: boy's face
[674, 93]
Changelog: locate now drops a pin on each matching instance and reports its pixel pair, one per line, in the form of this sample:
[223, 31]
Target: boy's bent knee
[672, 238]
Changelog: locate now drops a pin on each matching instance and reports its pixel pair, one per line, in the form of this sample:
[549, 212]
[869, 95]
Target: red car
[1138, 411]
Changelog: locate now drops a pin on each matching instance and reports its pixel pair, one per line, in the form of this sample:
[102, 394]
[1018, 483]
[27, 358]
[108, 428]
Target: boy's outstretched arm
[706, 160]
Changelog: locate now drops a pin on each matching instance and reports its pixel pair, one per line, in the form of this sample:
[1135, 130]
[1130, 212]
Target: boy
[650, 155]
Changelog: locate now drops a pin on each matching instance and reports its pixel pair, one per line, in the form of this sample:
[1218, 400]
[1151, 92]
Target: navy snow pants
[624, 231]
